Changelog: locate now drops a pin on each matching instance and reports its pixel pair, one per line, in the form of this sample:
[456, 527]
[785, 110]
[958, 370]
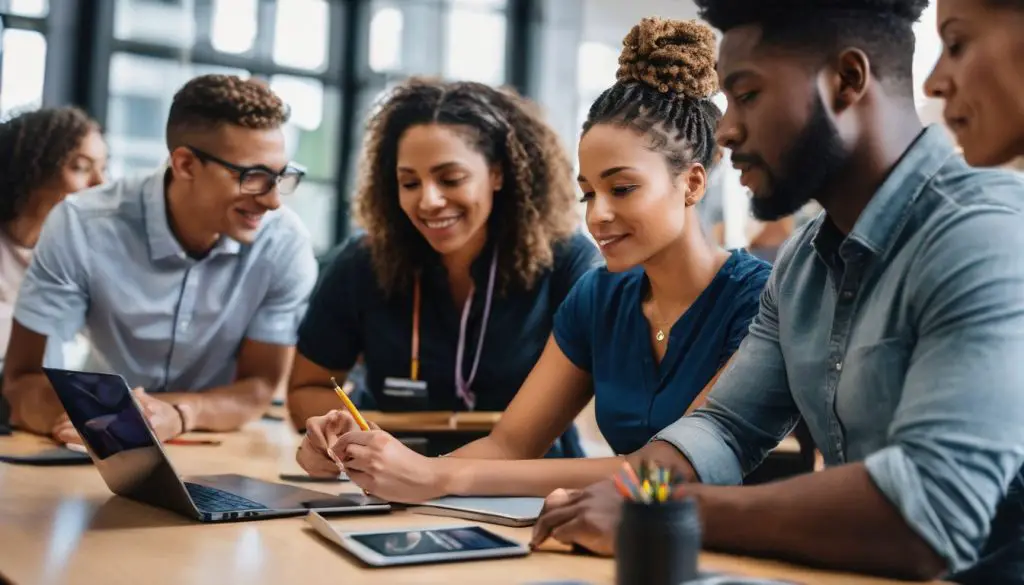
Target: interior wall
[608, 21]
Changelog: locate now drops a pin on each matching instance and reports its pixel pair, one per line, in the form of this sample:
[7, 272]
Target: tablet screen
[425, 542]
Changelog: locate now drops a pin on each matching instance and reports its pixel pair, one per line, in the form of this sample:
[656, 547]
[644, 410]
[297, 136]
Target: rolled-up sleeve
[54, 297]
[749, 410]
[957, 437]
[277, 319]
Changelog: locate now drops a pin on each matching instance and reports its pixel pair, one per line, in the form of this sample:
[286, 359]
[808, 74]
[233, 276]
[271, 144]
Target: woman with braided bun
[46, 154]
[471, 243]
[646, 335]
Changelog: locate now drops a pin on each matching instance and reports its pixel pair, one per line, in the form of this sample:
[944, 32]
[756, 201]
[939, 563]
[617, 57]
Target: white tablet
[419, 545]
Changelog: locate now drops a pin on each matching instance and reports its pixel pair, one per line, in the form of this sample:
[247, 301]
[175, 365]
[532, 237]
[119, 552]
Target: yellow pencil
[351, 407]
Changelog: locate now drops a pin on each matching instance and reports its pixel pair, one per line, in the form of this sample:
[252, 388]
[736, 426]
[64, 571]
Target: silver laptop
[134, 465]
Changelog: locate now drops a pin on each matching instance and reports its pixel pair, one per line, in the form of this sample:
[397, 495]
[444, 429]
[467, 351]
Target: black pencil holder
[658, 543]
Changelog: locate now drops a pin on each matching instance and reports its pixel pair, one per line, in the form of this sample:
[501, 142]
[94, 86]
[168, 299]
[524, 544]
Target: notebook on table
[52, 456]
[505, 511]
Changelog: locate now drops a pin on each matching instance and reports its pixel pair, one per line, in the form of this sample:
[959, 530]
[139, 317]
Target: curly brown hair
[34, 146]
[531, 212]
[664, 85]
[207, 101]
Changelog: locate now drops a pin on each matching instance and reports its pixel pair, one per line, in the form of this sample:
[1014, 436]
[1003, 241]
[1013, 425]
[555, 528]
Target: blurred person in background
[44, 156]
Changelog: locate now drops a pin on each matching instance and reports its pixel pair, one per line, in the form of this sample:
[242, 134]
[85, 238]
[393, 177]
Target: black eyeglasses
[258, 179]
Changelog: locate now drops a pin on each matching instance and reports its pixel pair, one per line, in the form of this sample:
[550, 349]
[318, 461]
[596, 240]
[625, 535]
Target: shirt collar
[479, 270]
[162, 241]
[889, 209]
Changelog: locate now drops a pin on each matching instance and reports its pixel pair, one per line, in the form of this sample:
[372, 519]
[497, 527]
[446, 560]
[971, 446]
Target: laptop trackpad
[276, 496]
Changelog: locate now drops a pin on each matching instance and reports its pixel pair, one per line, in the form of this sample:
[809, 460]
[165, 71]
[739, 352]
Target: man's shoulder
[117, 199]
[283, 239]
[964, 208]
[959, 189]
[283, 223]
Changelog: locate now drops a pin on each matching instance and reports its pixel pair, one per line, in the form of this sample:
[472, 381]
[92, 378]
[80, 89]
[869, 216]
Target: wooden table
[62, 525]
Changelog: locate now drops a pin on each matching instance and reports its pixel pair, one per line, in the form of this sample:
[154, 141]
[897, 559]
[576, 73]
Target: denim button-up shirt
[902, 346]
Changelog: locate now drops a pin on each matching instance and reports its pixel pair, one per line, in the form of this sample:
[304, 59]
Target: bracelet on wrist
[181, 415]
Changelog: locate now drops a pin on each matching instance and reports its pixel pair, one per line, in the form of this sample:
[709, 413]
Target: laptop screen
[100, 406]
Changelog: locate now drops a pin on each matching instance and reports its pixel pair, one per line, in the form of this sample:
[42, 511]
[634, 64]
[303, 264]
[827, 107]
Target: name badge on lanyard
[411, 389]
[415, 390]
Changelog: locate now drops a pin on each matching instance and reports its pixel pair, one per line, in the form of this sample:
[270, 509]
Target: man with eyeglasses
[190, 282]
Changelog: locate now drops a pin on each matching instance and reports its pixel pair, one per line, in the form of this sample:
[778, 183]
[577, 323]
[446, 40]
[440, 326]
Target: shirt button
[184, 324]
[839, 366]
[847, 295]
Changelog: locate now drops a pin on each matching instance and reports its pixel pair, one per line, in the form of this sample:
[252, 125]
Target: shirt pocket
[869, 392]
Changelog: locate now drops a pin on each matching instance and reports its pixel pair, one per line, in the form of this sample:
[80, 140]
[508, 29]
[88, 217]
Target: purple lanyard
[462, 385]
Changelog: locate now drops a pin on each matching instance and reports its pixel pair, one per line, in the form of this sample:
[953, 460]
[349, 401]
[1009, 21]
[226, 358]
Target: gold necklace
[659, 334]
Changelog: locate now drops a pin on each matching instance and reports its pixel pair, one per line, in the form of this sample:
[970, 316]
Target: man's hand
[588, 518]
[384, 467]
[64, 432]
[166, 421]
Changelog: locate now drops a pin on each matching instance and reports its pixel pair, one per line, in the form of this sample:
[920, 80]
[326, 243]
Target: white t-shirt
[14, 260]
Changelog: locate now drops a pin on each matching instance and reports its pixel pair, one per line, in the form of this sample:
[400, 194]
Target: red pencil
[180, 441]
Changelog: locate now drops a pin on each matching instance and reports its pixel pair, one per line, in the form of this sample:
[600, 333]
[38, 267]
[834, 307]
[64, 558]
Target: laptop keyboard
[210, 499]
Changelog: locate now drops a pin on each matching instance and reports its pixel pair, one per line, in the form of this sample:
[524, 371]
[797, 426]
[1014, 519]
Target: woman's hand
[387, 469]
[315, 455]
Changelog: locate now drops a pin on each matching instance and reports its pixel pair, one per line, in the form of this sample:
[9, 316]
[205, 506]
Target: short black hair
[207, 101]
[883, 29]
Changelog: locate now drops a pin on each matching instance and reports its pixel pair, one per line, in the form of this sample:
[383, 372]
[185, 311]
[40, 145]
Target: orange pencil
[621, 486]
[630, 474]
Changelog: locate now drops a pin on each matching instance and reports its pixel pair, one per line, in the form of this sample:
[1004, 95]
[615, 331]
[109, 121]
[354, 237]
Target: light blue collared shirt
[107, 261]
[902, 346]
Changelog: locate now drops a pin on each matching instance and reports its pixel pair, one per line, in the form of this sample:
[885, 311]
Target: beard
[815, 157]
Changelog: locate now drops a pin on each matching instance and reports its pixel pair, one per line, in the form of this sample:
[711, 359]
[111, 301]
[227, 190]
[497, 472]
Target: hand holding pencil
[316, 453]
[350, 406]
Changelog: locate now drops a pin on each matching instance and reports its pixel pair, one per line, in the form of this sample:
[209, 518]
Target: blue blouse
[601, 328]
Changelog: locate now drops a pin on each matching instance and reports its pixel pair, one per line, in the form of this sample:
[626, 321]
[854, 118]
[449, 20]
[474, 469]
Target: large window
[167, 42]
[141, 89]
[23, 70]
[456, 39]
[451, 39]
[30, 8]
[23, 49]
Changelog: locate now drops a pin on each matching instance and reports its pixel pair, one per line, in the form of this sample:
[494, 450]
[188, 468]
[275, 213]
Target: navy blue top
[350, 315]
[602, 329]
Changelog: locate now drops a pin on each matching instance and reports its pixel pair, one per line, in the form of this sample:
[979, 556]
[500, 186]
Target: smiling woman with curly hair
[470, 245]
